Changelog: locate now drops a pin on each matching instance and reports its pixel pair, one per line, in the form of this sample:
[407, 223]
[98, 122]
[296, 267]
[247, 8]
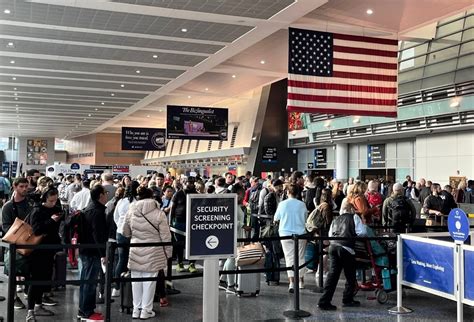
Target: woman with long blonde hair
[357, 199]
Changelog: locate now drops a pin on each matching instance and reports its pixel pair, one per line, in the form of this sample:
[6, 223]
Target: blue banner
[429, 265]
[143, 139]
[468, 275]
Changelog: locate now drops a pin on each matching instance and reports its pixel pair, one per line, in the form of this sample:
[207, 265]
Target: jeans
[339, 259]
[87, 292]
[123, 253]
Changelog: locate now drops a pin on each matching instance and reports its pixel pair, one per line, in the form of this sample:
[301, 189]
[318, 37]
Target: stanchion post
[296, 313]
[11, 282]
[110, 253]
[459, 282]
[399, 309]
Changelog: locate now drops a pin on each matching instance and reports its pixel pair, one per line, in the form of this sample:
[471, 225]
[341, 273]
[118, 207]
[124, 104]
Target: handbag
[270, 230]
[21, 233]
[251, 254]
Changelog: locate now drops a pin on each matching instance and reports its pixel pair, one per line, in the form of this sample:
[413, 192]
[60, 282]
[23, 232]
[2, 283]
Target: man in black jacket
[94, 231]
[448, 200]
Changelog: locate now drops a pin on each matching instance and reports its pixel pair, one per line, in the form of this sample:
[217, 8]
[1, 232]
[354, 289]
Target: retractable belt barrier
[110, 250]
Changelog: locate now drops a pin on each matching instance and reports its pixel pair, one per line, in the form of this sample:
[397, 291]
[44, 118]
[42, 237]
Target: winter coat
[147, 259]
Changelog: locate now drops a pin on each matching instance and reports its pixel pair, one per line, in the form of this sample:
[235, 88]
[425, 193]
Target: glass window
[466, 61]
[3, 144]
[441, 68]
[446, 41]
[59, 144]
[410, 75]
[450, 28]
[406, 54]
[438, 80]
[467, 48]
[443, 54]
[469, 22]
[468, 34]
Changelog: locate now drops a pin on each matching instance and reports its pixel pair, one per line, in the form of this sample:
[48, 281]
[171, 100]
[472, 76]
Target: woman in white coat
[145, 222]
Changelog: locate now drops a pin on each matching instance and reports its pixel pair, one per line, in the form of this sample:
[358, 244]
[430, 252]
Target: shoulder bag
[251, 254]
[21, 233]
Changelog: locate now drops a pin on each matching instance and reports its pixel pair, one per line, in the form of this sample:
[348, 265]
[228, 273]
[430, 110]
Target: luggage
[59, 269]
[248, 284]
[272, 261]
[311, 256]
[126, 297]
[249, 255]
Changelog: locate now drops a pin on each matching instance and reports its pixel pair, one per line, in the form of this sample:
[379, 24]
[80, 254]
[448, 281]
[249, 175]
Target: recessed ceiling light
[369, 11]
[122, 85]
[356, 120]
[155, 56]
[16, 94]
[16, 105]
[7, 11]
[112, 94]
[10, 45]
[184, 30]
[14, 88]
[206, 89]
[137, 71]
[262, 62]
[16, 98]
[89, 115]
[14, 78]
[18, 125]
[233, 76]
[189, 96]
[160, 110]
[102, 103]
[85, 119]
[96, 109]
[12, 61]
[148, 116]
[80, 123]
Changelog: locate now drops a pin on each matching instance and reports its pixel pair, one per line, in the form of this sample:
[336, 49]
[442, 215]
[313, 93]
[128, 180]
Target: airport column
[342, 161]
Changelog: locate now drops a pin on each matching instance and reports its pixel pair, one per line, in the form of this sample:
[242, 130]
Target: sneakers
[291, 288]
[30, 316]
[301, 284]
[144, 315]
[192, 268]
[351, 304]
[96, 317]
[231, 289]
[115, 292]
[327, 307]
[136, 313]
[41, 311]
[18, 304]
[48, 301]
[180, 268]
[164, 302]
[222, 285]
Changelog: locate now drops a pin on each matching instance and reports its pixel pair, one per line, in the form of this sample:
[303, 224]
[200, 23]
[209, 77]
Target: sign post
[458, 226]
[211, 234]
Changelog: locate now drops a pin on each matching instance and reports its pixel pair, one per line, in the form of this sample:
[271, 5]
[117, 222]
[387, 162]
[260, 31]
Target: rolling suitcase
[126, 297]
[272, 262]
[248, 284]
[59, 272]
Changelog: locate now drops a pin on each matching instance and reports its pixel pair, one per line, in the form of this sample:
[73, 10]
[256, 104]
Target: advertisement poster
[143, 139]
[36, 152]
[468, 276]
[429, 265]
[197, 123]
[14, 168]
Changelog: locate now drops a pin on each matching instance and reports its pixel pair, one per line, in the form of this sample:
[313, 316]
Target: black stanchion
[11, 283]
[297, 312]
[110, 253]
[320, 287]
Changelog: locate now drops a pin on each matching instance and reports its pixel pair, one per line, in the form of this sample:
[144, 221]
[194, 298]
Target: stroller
[381, 259]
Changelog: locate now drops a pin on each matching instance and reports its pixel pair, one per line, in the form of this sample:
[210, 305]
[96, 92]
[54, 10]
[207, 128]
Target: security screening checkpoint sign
[211, 230]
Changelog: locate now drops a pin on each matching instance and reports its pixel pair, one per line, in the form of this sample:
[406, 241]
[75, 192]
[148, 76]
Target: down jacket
[147, 259]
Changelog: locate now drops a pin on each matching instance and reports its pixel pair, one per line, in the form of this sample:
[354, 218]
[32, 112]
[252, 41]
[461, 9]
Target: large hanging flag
[341, 74]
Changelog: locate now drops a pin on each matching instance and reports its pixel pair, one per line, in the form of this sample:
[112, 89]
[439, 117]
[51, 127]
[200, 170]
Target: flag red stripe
[363, 63]
[343, 87]
[365, 51]
[366, 39]
[340, 99]
[384, 78]
[341, 111]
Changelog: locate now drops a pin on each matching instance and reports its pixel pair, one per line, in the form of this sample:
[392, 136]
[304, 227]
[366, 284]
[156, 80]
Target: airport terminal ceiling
[71, 68]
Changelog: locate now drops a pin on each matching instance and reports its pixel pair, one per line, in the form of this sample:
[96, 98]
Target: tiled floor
[269, 306]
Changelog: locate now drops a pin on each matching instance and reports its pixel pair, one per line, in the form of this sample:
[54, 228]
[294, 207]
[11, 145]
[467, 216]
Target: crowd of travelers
[152, 208]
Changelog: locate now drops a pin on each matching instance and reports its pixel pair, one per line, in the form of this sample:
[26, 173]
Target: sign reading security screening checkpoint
[458, 225]
[211, 226]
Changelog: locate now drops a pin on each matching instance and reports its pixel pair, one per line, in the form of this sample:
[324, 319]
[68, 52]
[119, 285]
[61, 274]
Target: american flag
[341, 74]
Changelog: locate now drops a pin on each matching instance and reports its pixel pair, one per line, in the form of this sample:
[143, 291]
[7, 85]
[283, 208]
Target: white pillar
[342, 161]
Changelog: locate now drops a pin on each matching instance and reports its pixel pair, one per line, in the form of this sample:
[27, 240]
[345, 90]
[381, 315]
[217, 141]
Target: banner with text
[197, 123]
[468, 274]
[143, 139]
[429, 265]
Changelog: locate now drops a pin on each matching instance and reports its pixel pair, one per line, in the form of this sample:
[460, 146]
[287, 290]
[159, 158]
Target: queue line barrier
[109, 279]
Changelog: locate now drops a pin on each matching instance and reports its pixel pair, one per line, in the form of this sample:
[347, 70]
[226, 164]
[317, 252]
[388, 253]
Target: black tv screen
[197, 123]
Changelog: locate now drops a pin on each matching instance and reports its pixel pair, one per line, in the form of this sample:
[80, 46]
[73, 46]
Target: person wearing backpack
[398, 211]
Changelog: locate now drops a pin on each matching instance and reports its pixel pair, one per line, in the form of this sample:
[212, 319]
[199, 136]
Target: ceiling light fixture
[184, 30]
[356, 120]
[327, 124]
[369, 11]
[7, 11]
[155, 56]
[206, 89]
[160, 110]
[102, 103]
[233, 76]
[14, 78]
[137, 71]
[148, 116]
[89, 115]
[189, 96]
[96, 109]
[122, 85]
[12, 61]
[262, 62]
[10, 45]
[112, 94]
[16, 94]
[16, 98]
[14, 88]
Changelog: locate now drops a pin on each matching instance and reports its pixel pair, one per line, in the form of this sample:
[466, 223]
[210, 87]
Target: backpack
[315, 222]
[399, 211]
[253, 201]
